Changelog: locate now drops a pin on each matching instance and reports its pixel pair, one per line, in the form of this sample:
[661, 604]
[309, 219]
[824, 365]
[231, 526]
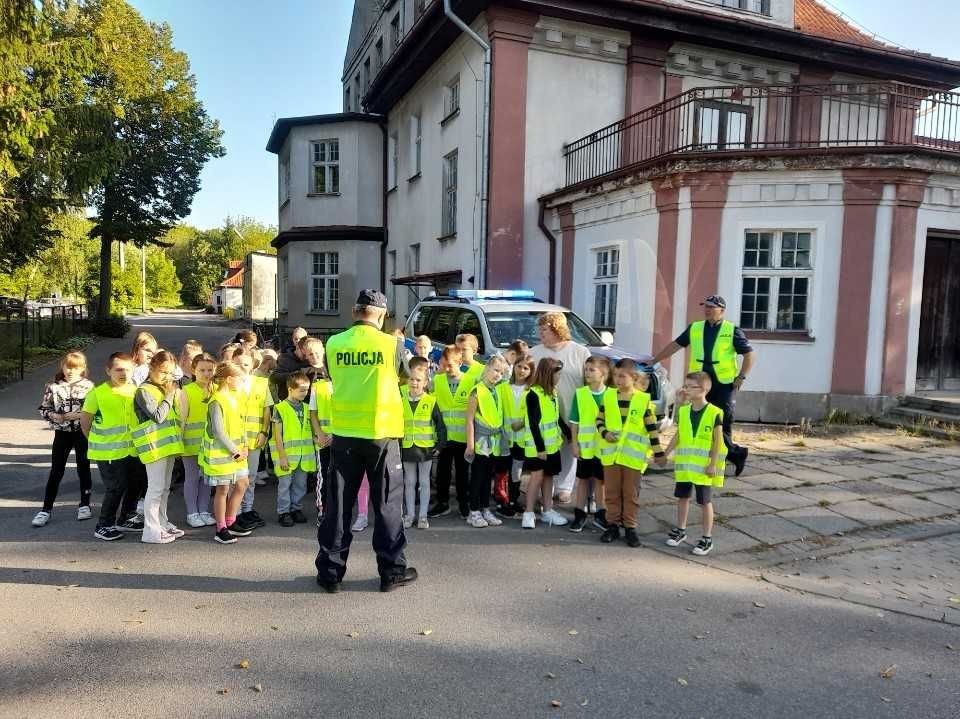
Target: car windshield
[505, 327]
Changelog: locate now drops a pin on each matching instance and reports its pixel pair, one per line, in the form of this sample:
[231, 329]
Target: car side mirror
[606, 337]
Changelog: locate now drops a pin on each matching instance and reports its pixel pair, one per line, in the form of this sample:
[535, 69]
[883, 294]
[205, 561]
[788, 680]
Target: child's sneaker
[490, 519]
[476, 520]
[359, 524]
[554, 518]
[285, 520]
[631, 537]
[579, 522]
[194, 520]
[611, 534]
[407, 522]
[208, 519]
[173, 529]
[676, 537]
[529, 520]
[600, 519]
[703, 547]
[108, 534]
[133, 524]
[40, 519]
[423, 523]
[84, 513]
[223, 536]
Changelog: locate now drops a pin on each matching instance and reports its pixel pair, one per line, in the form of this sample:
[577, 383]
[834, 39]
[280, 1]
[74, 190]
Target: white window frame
[757, 7]
[378, 52]
[328, 276]
[283, 178]
[396, 32]
[448, 198]
[451, 97]
[325, 154]
[416, 144]
[283, 280]
[775, 272]
[393, 164]
[606, 265]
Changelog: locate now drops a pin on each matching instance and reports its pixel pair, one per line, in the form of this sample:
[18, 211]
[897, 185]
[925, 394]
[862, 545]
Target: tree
[162, 141]
[163, 285]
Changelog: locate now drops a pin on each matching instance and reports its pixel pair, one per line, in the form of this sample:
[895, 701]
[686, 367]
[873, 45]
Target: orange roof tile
[234, 276]
[812, 18]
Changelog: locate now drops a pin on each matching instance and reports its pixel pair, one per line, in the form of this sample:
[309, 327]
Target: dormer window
[761, 7]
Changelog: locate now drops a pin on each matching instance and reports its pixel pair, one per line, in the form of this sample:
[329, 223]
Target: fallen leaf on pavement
[275, 628]
[700, 636]
[951, 647]
[244, 664]
[426, 632]
[201, 606]
[682, 682]
[549, 675]
[885, 699]
[133, 621]
[888, 672]
[257, 688]
[73, 561]
[556, 703]
[223, 691]
[118, 566]
[353, 635]
[584, 702]
[144, 611]
[955, 600]
[759, 605]
[691, 609]
[573, 632]
[580, 661]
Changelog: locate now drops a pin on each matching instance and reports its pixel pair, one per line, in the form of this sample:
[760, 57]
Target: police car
[499, 317]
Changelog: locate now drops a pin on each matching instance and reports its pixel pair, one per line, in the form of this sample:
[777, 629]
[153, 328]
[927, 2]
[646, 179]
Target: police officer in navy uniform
[367, 425]
[714, 345]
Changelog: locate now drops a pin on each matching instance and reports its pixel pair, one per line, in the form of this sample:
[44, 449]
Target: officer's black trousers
[724, 397]
[350, 458]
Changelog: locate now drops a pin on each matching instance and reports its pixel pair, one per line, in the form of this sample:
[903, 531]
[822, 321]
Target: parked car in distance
[499, 317]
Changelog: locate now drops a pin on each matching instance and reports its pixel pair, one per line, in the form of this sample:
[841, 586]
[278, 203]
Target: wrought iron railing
[764, 118]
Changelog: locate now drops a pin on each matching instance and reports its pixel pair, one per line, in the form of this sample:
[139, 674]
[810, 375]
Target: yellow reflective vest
[366, 400]
[633, 446]
[297, 436]
[256, 403]
[418, 429]
[197, 400]
[112, 408]
[588, 438]
[215, 460]
[549, 424]
[152, 440]
[723, 359]
[322, 391]
[487, 421]
[692, 452]
[453, 406]
[513, 411]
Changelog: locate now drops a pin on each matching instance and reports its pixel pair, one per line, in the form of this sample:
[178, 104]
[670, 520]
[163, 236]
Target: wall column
[646, 61]
[510, 33]
[568, 236]
[667, 201]
[862, 192]
[806, 116]
[708, 196]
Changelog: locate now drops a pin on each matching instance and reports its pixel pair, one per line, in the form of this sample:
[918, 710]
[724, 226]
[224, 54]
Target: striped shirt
[649, 421]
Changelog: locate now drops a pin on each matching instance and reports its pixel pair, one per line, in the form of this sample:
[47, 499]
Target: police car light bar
[493, 294]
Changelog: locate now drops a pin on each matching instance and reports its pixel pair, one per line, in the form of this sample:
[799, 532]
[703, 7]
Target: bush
[209, 309]
[110, 326]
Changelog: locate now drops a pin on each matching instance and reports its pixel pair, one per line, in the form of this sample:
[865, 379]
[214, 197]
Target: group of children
[494, 429]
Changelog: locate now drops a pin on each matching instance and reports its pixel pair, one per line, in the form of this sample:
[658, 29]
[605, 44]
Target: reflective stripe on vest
[633, 447]
[297, 441]
[256, 403]
[322, 390]
[607, 451]
[549, 425]
[487, 422]
[453, 407]
[152, 440]
[215, 460]
[418, 426]
[723, 358]
[197, 400]
[512, 412]
[366, 401]
[109, 438]
[587, 410]
[692, 455]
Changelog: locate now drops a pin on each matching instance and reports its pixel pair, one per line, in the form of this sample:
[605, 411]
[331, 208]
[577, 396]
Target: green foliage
[110, 326]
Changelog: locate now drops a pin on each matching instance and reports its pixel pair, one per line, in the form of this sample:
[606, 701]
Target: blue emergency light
[493, 294]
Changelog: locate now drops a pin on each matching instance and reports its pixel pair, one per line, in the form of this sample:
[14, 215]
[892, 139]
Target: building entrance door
[938, 358]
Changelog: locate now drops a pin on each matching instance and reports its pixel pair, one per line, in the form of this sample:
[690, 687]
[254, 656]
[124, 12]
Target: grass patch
[824, 503]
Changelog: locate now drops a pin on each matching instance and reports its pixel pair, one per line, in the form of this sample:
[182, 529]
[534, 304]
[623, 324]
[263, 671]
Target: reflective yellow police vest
[692, 454]
[297, 437]
[512, 412]
[366, 400]
[724, 356]
[633, 447]
[453, 407]
[418, 429]
[153, 441]
[322, 391]
[487, 422]
[197, 400]
[587, 410]
[216, 460]
[109, 438]
[256, 403]
[549, 425]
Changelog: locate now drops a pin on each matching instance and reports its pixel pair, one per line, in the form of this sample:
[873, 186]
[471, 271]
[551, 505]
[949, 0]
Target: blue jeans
[253, 461]
[291, 489]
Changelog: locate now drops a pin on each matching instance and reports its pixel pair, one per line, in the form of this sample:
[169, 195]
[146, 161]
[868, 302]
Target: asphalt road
[501, 623]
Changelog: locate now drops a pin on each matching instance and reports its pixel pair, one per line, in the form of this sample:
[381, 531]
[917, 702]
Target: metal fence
[24, 330]
[756, 118]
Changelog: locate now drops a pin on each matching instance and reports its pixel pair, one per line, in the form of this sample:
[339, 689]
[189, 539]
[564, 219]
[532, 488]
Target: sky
[257, 60]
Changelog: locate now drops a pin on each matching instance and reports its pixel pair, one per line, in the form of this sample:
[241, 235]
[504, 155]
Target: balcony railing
[771, 118]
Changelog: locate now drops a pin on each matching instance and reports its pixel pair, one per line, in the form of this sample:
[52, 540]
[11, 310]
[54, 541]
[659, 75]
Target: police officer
[714, 345]
[366, 424]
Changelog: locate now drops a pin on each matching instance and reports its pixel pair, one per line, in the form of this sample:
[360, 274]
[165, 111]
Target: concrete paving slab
[769, 528]
[816, 476]
[898, 469]
[853, 472]
[824, 493]
[779, 499]
[868, 488]
[771, 480]
[937, 480]
[948, 499]
[821, 520]
[868, 513]
[739, 507]
[917, 508]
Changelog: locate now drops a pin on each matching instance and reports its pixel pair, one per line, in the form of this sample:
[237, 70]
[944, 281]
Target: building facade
[646, 153]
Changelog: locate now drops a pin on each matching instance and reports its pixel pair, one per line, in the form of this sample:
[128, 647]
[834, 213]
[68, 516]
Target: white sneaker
[490, 518]
[529, 520]
[359, 524]
[260, 481]
[196, 520]
[164, 538]
[174, 530]
[40, 519]
[476, 520]
[140, 508]
[208, 519]
[84, 513]
[423, 523]
[554, 518]
[407, 522]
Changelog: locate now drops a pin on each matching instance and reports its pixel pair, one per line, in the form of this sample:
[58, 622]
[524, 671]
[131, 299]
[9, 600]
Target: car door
[468, 322]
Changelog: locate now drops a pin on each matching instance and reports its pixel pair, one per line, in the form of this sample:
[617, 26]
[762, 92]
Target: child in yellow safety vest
[105, 420]
[256, 421]
[513, 395]
[452, 389]
[484, 439]
[699, 459]
[156, 432]
[585, 442]
[196, 493]
[320, 393]
[223, 452]
[293, 451]
[424, 435]
[627, 426]
[541, 443]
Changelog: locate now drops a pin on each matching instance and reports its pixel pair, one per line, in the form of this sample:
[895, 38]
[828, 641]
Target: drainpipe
[386, 232]
[552, 241]
[484, 138]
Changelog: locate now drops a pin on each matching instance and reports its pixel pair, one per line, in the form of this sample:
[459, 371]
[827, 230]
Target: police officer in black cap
[366, 424]
[714, 345]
